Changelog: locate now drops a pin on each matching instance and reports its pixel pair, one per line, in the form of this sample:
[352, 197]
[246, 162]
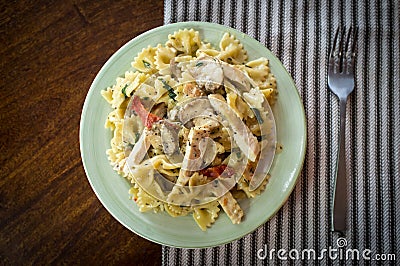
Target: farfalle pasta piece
[185, 41]
[124, 88]
[118, 96]
[134, 190]
[244, 186]
[116, 115]
[145, 62]
[257, 69]
[175, 210]
[117, 159]
[120, 163]
[116, 141]
[237, 104]
[206, 215]
[163, 56]
[253, 125]
[165, 167]
[184, 59]
[232, 50]
[196, 180]
[162, 160]
[107, 94]
[207, 52]
[268, 88]
[270, 94]
[136, 79]
[146, 202]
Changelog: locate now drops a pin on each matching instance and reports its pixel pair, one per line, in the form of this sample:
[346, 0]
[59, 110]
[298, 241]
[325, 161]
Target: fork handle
[339, 212]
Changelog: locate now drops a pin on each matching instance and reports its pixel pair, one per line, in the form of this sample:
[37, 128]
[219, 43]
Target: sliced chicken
[208, 72]
[198, 107]
[170, 141]
[194, 157]
[170, 137]
[209, 121]
[208, 150]
[235, 77]
[244, 139]
[139, 151]
[197, 146]
[231, 208]
[192, 90]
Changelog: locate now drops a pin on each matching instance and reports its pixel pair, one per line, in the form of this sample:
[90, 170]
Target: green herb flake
[171, 92]
[146, 64]
[137, 136]
[257, 114]
[198, 64]
[215, 183]
[124, 90]
[235, 150]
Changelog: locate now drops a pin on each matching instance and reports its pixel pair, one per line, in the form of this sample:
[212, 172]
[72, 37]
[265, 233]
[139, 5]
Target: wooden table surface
[50, 53]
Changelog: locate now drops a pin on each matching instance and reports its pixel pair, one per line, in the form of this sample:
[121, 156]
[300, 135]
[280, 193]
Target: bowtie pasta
[193, 115]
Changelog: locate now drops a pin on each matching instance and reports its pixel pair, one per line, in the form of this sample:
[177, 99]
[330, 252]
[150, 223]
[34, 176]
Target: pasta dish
[192, 127]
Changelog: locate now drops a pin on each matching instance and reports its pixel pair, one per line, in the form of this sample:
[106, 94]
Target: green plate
[112, 189]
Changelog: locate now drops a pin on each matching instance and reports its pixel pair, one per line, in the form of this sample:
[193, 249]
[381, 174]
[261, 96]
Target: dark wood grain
[50, 53]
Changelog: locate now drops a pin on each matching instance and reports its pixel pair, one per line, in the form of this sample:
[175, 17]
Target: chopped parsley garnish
[235, 150]
[124, 90]
[137, 136]
[238, 154]
[257, 114]
[146, 64]
[171, 92]
[198, 64]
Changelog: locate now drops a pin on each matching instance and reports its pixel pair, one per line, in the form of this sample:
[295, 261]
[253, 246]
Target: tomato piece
[148, 119]
[215, 171]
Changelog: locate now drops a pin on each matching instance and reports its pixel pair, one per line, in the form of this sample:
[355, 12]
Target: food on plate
[192, 127]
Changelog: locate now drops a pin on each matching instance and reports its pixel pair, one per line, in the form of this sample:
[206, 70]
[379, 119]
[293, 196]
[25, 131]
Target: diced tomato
[148, 119]
[215, 171]
[225, 202]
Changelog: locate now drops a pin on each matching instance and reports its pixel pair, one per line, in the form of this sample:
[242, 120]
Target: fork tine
[341, 50]
[334, 44]
[353, 49]
[352, 37]
[347, 62]
[332, 54]
[348, 39]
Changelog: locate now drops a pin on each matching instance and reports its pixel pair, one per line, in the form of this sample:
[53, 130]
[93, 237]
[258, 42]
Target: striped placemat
[300, 34]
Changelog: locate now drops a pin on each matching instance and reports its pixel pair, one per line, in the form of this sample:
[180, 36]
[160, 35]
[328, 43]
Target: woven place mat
[300, 34]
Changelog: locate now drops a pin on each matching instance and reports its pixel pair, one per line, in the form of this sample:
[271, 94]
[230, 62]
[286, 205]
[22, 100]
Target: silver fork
[341, 83]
